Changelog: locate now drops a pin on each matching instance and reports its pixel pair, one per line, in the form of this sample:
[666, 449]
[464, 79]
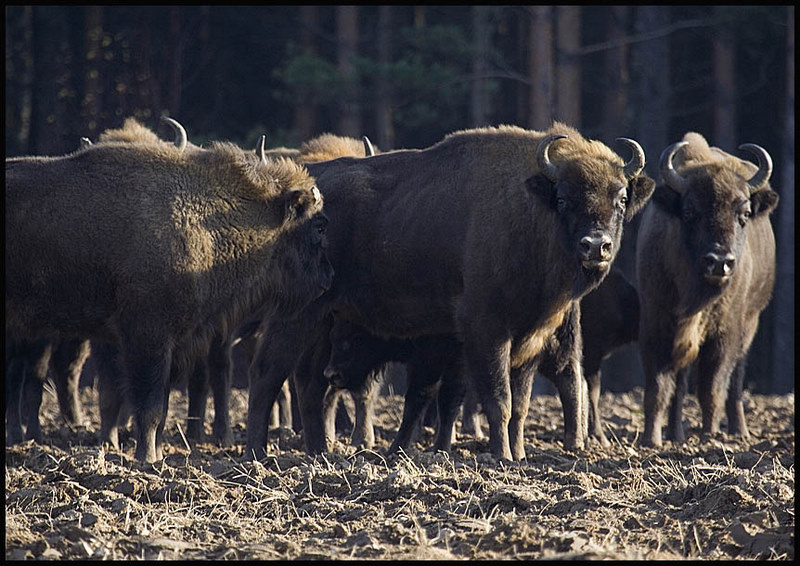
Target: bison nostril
[719, 265]
[597, 248]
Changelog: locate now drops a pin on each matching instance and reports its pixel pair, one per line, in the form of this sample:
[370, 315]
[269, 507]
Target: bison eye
[561, 204]
[688, 215]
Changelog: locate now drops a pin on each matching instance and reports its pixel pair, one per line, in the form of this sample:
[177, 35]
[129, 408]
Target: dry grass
[716, 500]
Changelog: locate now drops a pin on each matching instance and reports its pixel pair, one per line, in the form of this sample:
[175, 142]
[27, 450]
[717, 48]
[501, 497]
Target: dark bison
[705, 271]
[609, 320]
[490, 236]
[151, 247]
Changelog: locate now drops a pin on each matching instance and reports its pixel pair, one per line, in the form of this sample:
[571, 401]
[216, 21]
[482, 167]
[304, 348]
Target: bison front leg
[449, 401]
[521, 387]
[197, 389]
[220, 377]
[714, 367]
[364, 401]
[148, 369]
[330, 403]
[267, 373]
[734, 407]
[595, 420]
[423, 385]
[573, 392]
[487, 369]
[675, 430]
[67, 363]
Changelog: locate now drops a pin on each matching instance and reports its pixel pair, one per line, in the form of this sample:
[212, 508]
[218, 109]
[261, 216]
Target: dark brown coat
[705, 270]
[147, 246]
[479, 237]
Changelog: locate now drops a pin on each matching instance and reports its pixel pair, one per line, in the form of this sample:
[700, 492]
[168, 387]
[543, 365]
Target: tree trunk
[541, 67]
[617, 75]
[347, 38]
[783, 343]
[479, 98]
[383, 102]
[19, 79]
[724, 87]
[568, 70]
[306, 111]
[174, 48]
[92, 103]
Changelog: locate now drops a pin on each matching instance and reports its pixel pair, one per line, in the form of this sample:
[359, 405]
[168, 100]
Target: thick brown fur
[330, 146]
[468, 238]
[685, 321]
[140, 244]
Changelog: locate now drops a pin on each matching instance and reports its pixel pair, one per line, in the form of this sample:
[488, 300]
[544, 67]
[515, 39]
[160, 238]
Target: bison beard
[488, 236]
[156, 248]
[705, 271]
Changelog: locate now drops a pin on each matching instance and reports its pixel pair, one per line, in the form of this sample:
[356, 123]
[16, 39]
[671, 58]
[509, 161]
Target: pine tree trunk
[383, 102]
[479, 98]
[347, 38]
[568, 70]
[724, 88]
[306, 111]
[540, 67]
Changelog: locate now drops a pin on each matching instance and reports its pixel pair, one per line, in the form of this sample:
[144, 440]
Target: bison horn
[85, 142]
[761, 177]
[260, 148]
[180, 133]
[636, 164]
[542, 158]
[369, 151]
[671, 177]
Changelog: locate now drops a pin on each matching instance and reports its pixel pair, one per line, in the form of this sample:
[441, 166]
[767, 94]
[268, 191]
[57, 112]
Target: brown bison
[150, 247]
[215, 371]
[490, 236]
[705, 270]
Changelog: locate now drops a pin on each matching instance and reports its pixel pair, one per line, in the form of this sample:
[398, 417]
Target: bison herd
[476, 263]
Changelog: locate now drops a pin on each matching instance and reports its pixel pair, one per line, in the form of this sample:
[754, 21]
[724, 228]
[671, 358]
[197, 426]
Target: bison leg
[487, 369]
[266, 376]
[39, 356]
[110, 389]
[284, 403]
[471, 416]
[734, 407]
[449, 401]
[423, 385]
[714, 367]
[675, 430]
[521, 387]
[220, 378]
[330, 403]
[573, 392]
[311, 385]
[364, 401]
[593, 380]
[67, 363]
[16, 366]
[148, 369]
[197, 389]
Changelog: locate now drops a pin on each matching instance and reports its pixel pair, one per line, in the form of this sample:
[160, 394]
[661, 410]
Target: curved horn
[636, 164]
[671, 177]
[369, 151]
[543, 159]
[761, 177]
[260, 148]
[180, 134]
[85, 142]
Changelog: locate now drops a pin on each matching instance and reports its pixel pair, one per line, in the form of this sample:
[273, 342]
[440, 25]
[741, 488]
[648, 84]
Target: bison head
[715, 196]
[593, 193]
[357, 355]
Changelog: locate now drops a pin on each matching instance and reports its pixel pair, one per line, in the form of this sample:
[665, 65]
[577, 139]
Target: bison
[150, 247]
[490, 236]
[705, 271]
[215, 369]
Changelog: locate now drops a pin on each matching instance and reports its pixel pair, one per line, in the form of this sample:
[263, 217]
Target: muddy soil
[720, 499]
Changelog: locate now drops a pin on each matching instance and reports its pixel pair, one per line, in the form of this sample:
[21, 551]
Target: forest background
[408, 75]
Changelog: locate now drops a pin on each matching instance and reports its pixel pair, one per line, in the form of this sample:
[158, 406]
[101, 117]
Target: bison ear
[763, 202]
[542, 187]
[668, 199]
[640, 189]
[295, 202]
